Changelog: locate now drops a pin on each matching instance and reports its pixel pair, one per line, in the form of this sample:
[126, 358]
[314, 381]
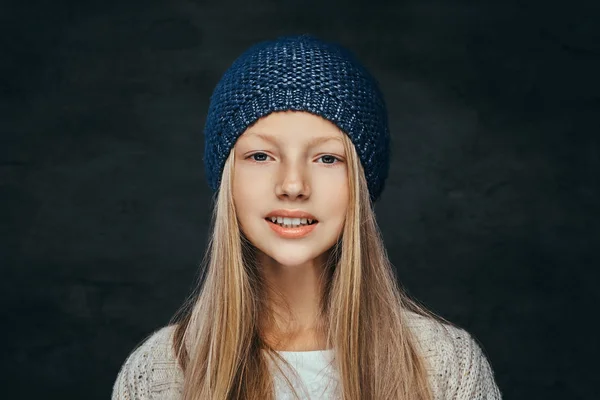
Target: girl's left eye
[329, 159]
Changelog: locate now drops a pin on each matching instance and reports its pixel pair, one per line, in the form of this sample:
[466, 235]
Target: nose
[293, 183]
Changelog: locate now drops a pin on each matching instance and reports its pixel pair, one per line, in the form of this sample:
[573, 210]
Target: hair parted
[219, 341]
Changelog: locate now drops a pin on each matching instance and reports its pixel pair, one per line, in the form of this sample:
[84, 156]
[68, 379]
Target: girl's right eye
[258, 157]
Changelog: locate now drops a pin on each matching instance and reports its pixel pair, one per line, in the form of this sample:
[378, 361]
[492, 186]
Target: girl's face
[286, 163]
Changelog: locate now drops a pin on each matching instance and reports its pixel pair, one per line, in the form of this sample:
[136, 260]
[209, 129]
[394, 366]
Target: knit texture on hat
[300, 73]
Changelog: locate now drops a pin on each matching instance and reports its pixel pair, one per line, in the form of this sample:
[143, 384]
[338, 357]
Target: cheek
[331, 197]
[248, 194]
[246, 178]
[332, 189]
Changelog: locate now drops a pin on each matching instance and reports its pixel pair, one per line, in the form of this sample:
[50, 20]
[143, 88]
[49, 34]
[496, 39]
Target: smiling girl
[298, 298]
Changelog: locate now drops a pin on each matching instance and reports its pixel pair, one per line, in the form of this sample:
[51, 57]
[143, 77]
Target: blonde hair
[220, 344]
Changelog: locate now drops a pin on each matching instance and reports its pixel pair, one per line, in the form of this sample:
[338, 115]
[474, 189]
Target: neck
[294, 295]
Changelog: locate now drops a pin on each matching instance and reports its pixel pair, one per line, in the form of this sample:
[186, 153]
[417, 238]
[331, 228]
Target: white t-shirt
[315, 371]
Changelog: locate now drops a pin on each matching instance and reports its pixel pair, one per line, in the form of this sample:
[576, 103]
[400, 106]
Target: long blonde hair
[218, 339]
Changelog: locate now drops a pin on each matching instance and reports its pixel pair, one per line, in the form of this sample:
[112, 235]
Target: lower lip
[292, 233]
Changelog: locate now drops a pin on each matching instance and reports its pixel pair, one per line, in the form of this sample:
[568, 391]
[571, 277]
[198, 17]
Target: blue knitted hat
[300, 73]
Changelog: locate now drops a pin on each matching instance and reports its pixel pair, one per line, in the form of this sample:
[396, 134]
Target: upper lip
[290, 214]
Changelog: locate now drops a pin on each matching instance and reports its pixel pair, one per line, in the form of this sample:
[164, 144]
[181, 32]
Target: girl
[298, 298]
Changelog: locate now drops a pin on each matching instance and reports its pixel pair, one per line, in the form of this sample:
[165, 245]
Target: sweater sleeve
[475, 380]
[151, 371]
[132, 380]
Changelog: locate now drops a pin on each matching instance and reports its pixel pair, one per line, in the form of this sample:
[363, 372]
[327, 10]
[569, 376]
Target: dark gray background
[490, 213]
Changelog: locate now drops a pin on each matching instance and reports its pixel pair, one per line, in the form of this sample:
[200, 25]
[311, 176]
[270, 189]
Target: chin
[291, 261]
[291, 257]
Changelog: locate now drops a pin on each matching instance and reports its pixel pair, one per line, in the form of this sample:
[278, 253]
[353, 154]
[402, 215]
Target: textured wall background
[490, 214]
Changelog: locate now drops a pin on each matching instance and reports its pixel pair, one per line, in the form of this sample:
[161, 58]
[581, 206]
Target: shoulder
[151, 370]
[457, 366]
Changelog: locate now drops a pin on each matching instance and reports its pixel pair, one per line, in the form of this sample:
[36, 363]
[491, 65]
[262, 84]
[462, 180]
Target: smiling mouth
[291, 222]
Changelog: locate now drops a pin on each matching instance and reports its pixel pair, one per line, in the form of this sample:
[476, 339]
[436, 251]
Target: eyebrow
[312, 142]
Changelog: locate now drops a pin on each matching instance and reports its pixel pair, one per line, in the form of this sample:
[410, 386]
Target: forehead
[292, 126]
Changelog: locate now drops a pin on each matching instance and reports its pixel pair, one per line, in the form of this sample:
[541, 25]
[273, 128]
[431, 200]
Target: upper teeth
[291, 221]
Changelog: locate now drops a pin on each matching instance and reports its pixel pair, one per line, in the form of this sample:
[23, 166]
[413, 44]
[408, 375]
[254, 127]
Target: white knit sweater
[456, 366]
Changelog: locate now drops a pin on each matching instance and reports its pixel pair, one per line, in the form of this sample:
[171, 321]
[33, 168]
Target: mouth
[286, 222]
[292, 226]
